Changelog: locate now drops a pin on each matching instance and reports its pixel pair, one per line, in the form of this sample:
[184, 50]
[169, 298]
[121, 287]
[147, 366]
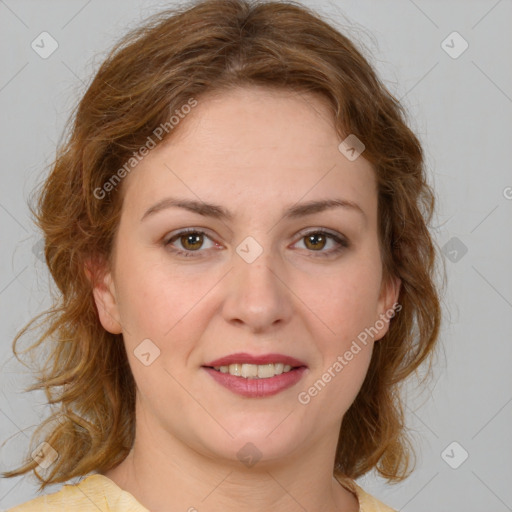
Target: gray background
[461, 109]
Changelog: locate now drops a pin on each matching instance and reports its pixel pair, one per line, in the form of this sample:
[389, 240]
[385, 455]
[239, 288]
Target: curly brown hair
[181, 53]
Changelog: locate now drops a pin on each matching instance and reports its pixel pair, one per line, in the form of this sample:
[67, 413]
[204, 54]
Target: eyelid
[338, 238]
[320, 229]
[183, 231]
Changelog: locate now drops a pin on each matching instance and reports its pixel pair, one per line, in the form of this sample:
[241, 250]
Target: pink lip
[257, 388]
[242, 357]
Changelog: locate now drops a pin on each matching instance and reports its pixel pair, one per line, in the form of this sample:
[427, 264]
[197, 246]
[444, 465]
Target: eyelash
[343, 243]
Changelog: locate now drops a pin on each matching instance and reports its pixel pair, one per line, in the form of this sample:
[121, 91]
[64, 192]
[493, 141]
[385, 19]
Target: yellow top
[98, 493]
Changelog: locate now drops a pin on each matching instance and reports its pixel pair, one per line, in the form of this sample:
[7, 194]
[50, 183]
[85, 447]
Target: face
[258, 279]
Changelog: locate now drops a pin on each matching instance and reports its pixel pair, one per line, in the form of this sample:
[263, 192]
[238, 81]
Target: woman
[238, 229]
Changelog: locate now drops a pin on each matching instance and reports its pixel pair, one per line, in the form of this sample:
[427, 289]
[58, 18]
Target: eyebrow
[219, 212]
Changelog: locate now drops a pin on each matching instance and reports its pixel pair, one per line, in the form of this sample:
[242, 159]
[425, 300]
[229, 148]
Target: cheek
[344, 300]
[153, 295]
[344, 303]
[165, 304]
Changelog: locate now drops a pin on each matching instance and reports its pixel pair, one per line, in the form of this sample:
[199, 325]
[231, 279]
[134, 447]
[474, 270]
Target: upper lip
[242, 358]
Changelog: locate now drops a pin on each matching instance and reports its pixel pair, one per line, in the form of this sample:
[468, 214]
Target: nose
[257, 296]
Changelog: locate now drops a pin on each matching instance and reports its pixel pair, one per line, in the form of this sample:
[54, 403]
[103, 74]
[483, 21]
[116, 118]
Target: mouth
[254, 371]
[250, 366]
[256, 376]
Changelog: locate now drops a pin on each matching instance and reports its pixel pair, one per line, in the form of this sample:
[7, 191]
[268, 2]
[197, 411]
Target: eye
[191, 240]
[316, 241]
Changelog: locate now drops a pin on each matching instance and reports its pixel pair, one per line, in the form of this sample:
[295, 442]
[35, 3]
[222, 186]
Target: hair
[176, 55]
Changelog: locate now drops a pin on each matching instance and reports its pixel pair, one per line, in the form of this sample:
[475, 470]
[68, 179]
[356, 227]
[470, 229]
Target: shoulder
[95, 492]
[367, 503]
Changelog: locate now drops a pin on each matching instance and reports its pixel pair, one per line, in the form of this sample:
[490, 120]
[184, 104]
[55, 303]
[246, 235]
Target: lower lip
[257, 388]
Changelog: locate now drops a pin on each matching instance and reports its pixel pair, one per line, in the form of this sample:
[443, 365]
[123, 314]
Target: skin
[290, 300]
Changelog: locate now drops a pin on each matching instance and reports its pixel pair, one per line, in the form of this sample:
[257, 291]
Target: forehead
[252, 118]
[264, 145]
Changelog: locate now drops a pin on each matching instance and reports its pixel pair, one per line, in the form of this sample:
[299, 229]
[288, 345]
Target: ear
[387, 305]
[105, 297]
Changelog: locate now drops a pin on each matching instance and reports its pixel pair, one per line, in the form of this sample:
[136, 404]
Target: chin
[257, 439]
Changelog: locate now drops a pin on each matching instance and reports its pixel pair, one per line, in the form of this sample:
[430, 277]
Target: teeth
[249, 370]
[235, 369]
[264, 371]
[254, 371]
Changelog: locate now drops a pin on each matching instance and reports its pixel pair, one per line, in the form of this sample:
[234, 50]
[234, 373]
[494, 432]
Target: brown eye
[315, 241]
[191, 241]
